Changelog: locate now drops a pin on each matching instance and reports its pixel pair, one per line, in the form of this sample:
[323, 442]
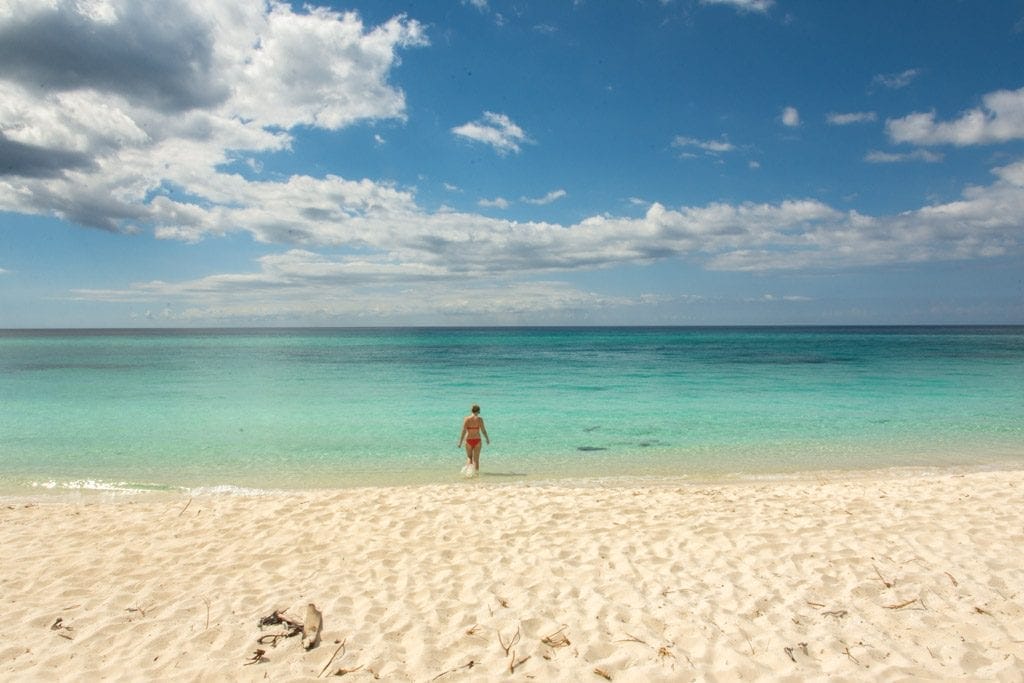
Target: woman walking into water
[472, 428]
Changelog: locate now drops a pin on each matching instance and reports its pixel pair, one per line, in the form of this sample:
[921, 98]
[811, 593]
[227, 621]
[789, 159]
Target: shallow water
[310, 408]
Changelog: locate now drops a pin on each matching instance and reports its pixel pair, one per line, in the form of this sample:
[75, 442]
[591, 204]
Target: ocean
[238, 410]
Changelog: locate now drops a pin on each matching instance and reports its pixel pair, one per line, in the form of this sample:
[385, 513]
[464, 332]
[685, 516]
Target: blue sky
[204, 163]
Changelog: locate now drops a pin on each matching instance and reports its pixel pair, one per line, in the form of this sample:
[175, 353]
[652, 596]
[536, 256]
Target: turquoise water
[302, 408]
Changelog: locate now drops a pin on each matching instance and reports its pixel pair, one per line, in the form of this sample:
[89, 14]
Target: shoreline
[872, 577]
[96, 488]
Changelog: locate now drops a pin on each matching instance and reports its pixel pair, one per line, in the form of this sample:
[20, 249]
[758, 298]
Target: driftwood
[311, 630]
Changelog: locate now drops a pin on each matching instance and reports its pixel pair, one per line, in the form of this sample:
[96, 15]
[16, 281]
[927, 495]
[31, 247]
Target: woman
[472, 428]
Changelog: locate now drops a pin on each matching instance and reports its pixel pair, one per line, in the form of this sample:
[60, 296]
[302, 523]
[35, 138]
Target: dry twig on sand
[888, 584]
[903, 604]
[511, 643]
[340, 648]
[60, 627]
[513, 662]
[557, 639]
[468, 665]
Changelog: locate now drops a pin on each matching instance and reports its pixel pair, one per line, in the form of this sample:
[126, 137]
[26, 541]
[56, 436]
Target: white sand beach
[880, 576]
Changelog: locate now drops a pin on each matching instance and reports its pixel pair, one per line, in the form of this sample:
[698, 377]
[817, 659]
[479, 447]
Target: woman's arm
[483, 430]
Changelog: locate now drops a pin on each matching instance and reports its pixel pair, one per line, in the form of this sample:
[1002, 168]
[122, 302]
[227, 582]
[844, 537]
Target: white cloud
[896, 81]
[760, 6]
[496, 130]
[836, 119]
[128, 153]
[549, 198]
[496, 203]
[877, 157]
[790, 117]
[415, 262]
[713, 147]
[999, 119]
[144, 96]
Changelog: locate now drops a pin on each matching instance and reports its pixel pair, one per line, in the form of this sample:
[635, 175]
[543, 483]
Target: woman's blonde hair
[475, 409]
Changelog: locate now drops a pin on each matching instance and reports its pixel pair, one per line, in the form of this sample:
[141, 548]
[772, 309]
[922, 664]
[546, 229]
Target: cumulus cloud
[496, 203]
[496, 130]
[130, 50]
[790, 117]
[837, 119]
[1000, 118]
[760, 6]
[414, 262]
[105, 105]
[120, 154]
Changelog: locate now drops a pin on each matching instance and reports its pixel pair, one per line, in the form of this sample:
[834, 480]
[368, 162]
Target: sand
[886, 576]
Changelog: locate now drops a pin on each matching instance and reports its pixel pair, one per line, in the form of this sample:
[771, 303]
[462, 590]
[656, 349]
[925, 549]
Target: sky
[187, 163]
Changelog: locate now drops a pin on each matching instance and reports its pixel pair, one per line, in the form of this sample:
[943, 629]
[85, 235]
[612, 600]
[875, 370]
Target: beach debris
[789, 650]
[888, 584]
[633, 639]
[557, 639]
[343, 671]
[311, 629]
[62, 629]
[749, 644]
[955, 582]
[513, 662]
[341, 647]
[185, 508]
[256, 658]
[138, 610]
[602, 673]
[838, 613]
[512, 641]
[979, 610]
[468, 665]
[278, 618]
[903, 604]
